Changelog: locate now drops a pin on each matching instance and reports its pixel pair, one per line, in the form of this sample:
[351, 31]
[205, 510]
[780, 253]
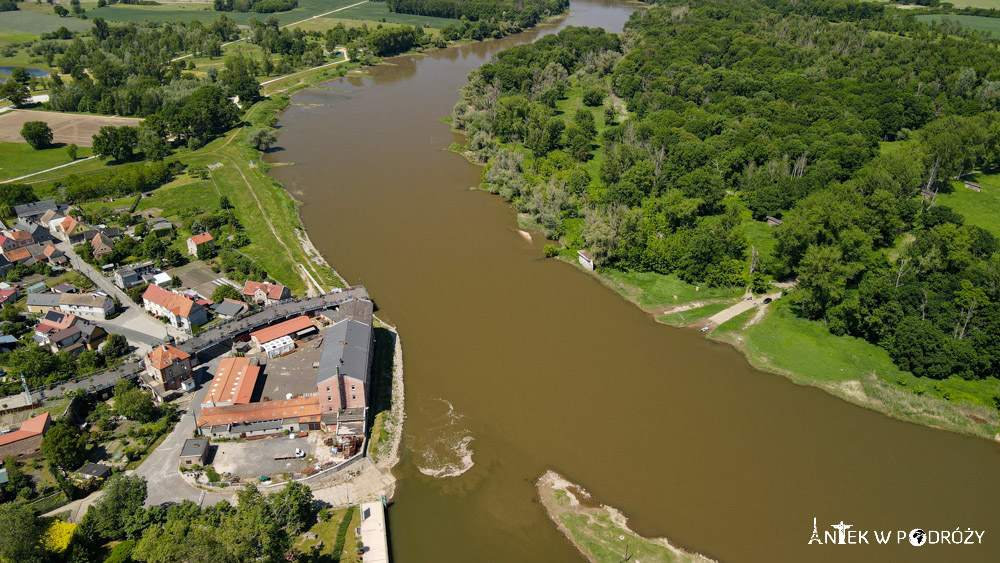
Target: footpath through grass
[18, 159]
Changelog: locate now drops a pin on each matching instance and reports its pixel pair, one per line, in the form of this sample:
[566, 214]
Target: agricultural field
[25, 25]
[188, 12]
[374, 13]
[989, 25]
[66, 127]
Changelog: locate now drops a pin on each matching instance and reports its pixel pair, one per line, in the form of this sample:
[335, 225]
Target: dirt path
[77, 161]
[743, 306]
[313, 287]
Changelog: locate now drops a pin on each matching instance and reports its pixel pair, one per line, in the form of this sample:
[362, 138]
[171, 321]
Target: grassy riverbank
[775, 339]
[600, 532]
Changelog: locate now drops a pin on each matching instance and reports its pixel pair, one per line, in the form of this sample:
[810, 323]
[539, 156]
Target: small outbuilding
[94, 471]
[194, 452]
[586, 259]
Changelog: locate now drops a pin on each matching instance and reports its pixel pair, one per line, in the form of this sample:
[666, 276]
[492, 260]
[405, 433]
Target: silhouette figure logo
[918, 537]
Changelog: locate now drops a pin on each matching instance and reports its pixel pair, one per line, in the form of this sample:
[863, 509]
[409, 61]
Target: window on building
[352, 388]
[328, 389]
[354, 397]
[329, 398]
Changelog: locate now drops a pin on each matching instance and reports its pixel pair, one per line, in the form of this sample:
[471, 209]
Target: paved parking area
[293, 373]
[256, 457]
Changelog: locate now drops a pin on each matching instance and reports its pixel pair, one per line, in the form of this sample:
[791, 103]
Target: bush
[38, 134]
[593, 97]
[261, 138]
[550, 250]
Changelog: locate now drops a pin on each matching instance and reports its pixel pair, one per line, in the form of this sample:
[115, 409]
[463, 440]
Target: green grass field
[35, 23]
[653, 291]
[18, 159]
[979, 208]
[379, 11]
[989, 25]
[808, 353]
[198, 12]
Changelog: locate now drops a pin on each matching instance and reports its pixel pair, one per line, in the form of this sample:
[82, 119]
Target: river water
[515, 365]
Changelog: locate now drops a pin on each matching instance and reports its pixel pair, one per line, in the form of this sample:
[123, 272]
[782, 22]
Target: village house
[87, 305]
[194, 452]
[30, 212]
[8, 296]
[180, 311]
[197, 241]
[264, 293]
[50, 220]
[39, 233]
[168, 366]
[100, 247]
[51, 322]
[135, 274]
[53, 255]
[70, 227]
[25, 442]
[41, 303]
[229, 308]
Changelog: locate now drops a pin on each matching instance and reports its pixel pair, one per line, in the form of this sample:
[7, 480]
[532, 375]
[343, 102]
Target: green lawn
[181, 198]
[204, 13]
[652, 291]
[327, 533]
[989, 25]
[979, 208]
[808, 353]
[18, 159]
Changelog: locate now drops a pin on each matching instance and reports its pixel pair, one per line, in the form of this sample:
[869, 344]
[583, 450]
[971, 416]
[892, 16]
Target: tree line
[739, 111]
[481, 19]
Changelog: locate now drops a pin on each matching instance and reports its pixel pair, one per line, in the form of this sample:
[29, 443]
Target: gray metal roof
[228, 308]
[35, 208]
[43, 299]
[347, 347]
[195, 447]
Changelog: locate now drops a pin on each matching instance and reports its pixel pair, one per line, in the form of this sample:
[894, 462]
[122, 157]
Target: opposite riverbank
[598, 531]
[774, 339]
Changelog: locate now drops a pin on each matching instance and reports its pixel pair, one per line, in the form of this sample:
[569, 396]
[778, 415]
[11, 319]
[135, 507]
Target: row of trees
[743, 110]
[515, 15]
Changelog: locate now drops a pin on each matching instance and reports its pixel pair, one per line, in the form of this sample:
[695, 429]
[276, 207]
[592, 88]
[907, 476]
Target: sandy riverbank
[598, 531]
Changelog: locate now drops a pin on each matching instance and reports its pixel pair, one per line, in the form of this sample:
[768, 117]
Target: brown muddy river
[515, 365]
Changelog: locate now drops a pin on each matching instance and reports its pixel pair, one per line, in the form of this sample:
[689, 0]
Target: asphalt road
[164, 483]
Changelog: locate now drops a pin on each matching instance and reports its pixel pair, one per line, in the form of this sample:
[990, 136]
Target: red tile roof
[173, 302]
[234, 382]
[68, 224]
[18, 254]
[303, 408]
[6, 294]
[3, 240]
[201, 239]
[19, 236]
[291, 326]
[31, 427]
[272, 291]
[165, 355]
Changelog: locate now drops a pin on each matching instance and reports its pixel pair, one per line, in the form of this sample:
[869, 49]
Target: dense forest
[481, 19]
[655, 149]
